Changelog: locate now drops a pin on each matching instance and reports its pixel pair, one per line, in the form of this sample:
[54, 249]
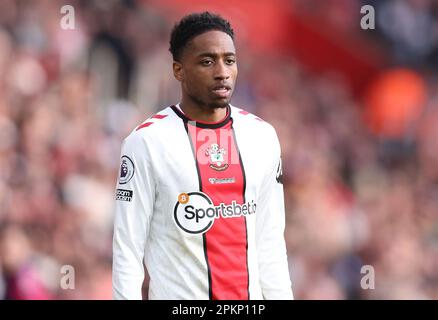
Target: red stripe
[147, 124]
[159, 116]
[144, 125]
[226, 240]
[244, 112]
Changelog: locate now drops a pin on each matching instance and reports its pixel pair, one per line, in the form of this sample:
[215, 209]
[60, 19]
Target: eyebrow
[213, 55]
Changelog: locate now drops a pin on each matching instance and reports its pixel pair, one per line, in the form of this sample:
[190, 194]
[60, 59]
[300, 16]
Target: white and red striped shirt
[201, 204]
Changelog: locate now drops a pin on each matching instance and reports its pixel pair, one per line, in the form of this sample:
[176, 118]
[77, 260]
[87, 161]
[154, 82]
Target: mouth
[222, 91]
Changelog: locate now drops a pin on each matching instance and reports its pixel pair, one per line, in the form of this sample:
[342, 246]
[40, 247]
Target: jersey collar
[200, 124]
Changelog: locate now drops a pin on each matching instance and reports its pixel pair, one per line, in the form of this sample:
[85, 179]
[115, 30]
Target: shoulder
[253, 124]
[155, 122]
[148, 136]
[154, 126]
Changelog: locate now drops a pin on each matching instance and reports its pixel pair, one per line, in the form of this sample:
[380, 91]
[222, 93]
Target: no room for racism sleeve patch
[124, 195]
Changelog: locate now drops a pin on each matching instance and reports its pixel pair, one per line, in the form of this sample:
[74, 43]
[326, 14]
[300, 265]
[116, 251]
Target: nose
[221, 71]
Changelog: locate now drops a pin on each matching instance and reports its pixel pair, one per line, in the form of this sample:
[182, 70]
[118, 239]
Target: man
[199, 198]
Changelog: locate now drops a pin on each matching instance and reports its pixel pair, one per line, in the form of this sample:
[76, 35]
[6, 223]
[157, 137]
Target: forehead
[215, 42]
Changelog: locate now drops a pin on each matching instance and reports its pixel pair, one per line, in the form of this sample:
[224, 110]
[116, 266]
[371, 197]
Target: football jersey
[202, 206]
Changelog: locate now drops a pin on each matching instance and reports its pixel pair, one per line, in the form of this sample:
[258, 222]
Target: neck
[202, 113]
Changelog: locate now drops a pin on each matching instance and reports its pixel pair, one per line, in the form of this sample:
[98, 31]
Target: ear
[178, 71]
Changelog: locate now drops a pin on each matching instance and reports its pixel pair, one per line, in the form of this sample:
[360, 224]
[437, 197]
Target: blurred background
[356, 112]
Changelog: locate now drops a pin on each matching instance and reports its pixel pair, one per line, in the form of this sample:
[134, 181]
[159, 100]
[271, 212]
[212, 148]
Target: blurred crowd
[361, 180]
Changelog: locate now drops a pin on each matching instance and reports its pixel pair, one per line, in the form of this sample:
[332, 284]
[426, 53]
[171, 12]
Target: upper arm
[135, 196]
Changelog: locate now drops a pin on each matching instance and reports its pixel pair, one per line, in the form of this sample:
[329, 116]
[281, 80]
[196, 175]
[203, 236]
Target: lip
[222, 90]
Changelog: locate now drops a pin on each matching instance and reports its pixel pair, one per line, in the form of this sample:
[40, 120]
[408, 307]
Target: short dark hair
[193, 25]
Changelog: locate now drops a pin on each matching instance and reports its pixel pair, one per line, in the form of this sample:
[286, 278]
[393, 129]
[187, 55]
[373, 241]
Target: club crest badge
[216, 156]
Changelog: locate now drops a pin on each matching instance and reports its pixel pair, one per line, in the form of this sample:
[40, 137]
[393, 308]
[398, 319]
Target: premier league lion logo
[123, 169]
[126, 170]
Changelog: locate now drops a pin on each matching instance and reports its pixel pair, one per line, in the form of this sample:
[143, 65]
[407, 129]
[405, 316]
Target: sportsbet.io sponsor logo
[195, 212]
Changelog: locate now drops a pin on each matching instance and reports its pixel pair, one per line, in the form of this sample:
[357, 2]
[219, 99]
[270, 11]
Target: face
[207, 70]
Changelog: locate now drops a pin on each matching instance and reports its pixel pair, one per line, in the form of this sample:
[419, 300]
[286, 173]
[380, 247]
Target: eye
[230, 61]
[206, 62]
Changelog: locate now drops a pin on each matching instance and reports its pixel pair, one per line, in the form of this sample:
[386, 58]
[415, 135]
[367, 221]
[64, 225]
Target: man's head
[202, 46]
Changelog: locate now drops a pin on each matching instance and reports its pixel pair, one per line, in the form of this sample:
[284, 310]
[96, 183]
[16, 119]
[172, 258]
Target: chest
[225, 161]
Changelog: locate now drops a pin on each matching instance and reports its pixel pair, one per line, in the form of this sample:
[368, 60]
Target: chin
[219, 104]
